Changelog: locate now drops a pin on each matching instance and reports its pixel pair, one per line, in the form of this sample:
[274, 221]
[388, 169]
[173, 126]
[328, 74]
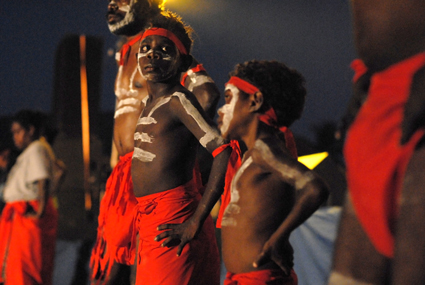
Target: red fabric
[359, 69]
[233, 165]
[269, 277]
[197, 68]
[376, 162]
[199, 262]
[114, 221]
[270, 118]
[126, 48]
[27, 245]
[243, 85]
[168, 34]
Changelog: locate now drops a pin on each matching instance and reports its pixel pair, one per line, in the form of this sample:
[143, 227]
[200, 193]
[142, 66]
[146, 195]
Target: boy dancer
[165, 142]
[381, 238]
[130, 19]
[271, 193]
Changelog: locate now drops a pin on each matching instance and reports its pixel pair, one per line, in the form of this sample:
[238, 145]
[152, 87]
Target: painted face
[158, 59]
[21, 136]
[231, 97]
[126, 17]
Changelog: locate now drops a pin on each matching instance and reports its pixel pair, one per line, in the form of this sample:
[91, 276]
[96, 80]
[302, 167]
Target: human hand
[177, 234]
[280, 253]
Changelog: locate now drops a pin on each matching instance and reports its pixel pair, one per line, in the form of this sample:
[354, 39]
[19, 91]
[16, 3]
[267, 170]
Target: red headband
[168, 34]
[243, 85]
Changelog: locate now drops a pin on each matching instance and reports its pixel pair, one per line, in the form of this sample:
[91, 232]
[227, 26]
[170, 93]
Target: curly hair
[173, 22]
[282, 87]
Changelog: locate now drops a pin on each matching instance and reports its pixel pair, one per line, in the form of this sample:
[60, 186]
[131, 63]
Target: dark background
[310, 35]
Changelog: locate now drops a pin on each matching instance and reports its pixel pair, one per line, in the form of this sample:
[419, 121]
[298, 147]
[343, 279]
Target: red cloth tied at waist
[115, 221]
[269, 276]
[376, 162]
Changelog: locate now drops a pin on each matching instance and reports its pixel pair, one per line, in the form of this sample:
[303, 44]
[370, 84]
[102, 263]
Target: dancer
[380, 240]
[271, 193]
[130, 19]
[29, 220]
[168, 132]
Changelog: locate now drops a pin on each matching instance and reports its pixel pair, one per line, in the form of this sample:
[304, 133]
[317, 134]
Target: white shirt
[32, 165]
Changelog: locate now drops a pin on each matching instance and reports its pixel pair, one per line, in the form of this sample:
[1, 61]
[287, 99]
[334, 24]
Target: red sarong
[376, 162]
[269, 277]
[27, 245]
[115, 222]
[199, 262]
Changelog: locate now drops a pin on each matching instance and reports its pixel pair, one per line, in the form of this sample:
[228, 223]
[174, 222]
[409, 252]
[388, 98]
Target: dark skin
[269, 207]
[387, 32]
[176, 133]
[130, 84]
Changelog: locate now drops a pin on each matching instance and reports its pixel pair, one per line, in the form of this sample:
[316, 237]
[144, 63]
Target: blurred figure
[381, 238]
[5, 152]
[29, 220]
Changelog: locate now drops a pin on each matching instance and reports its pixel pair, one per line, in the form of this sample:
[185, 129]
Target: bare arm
[311, 192]
[410, 233]
[43, 196]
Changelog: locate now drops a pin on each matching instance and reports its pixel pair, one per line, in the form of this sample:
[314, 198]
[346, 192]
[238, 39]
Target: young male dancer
[130, 19]
[271, 193]
[168, 132]
[381, 238]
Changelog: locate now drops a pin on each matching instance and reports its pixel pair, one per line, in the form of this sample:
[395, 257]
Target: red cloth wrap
[269, 277]
[27, 245]
[232, 166]
[197, 68]
[126, 48]
[376, 162]
[168, 34]
[114, 222]
[199, 262]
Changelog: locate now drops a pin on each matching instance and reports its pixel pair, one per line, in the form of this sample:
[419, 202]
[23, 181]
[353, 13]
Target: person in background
[381, 238]
[29, 220]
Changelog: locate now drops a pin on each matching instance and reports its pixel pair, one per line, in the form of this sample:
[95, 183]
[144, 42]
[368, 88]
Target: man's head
[260, 86]
[388, 31]
[129, 17]
[165, 48]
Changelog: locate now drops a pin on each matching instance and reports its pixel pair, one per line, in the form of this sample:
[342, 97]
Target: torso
[162, 144]
[130, 90]
[257, 198]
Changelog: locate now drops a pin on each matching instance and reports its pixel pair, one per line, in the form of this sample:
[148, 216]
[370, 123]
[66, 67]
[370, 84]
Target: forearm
[215, 186]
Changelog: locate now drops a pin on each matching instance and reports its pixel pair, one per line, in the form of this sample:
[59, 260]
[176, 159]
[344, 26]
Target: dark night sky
[310, 35]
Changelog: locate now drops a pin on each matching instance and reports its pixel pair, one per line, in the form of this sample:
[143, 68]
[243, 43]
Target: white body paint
[142, 155]
[127, 97]
[210, 133]
[285, 170]
[233, 208]
[228, 109]
[128, 18]
[198, 80]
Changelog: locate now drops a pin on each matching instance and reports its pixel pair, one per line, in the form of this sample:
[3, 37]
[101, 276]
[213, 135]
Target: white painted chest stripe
[128, 101]
[142, 155]
[143, 137]
[149, 119]
[125, 110]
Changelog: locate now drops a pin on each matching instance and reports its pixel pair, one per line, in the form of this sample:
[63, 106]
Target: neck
[160, 89]
[256, 130]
